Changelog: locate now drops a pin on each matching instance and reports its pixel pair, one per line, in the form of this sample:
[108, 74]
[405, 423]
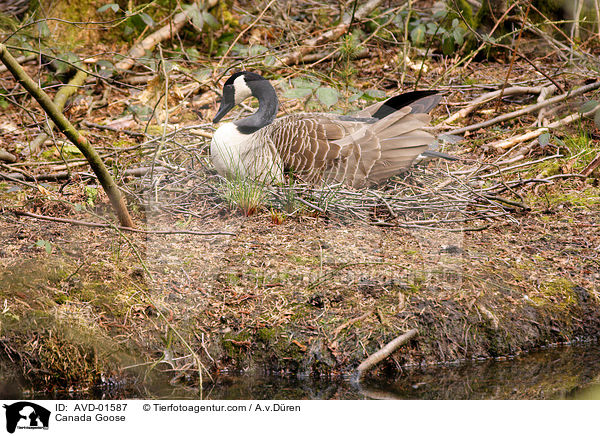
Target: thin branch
[60, 99]
[527, 109]
[127, 229]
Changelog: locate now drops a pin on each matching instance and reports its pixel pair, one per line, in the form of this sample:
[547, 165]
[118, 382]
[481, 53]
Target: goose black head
[238, 88]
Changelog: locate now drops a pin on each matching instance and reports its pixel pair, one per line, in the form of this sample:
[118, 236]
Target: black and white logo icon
[26, 415]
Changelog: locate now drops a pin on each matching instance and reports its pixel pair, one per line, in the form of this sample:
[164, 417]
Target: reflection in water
[558, 373]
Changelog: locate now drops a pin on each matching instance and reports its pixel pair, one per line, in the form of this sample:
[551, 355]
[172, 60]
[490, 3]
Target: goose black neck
[267, 108]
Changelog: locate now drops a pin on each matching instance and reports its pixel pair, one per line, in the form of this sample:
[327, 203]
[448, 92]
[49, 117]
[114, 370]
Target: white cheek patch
[241, 90]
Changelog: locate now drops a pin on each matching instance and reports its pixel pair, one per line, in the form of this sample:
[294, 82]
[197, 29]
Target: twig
[505, 144]
[132, 172]
[388, 349]
[526, 110]
[512, 60]
[59, 100]
[21, 59]
[348, 323]
[237, 38]
[507, 201]
[127, 229]
[6, 156]
[87, 123]
[489, 96]
[544, 95]
[589, 169]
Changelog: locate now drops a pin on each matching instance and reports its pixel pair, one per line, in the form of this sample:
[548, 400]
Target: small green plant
[3, 102]
[246, 195]
[433, 29]
[318, 97]
[288, 201]
[277, 217]
[40, 243]
[348, 50]
[91, 194]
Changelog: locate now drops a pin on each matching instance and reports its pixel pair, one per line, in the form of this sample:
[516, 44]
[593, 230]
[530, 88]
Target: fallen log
[380, 355]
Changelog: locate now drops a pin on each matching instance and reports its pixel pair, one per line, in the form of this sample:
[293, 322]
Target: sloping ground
[310, 295]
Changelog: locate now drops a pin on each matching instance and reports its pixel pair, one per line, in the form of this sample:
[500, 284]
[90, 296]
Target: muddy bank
[309, 296]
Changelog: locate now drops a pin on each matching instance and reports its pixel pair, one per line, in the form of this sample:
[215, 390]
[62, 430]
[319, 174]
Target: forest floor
[309, 295]
[285, 293]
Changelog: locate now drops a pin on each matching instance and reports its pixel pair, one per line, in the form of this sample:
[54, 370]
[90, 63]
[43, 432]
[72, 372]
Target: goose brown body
[322, 148]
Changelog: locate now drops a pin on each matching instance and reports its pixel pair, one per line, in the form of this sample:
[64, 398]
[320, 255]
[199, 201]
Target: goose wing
[321, 148]
[327, 148]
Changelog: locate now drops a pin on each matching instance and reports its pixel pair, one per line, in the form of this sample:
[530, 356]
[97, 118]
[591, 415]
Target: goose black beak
[223, 110]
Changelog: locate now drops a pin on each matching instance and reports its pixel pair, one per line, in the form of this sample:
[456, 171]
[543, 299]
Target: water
[557, 373]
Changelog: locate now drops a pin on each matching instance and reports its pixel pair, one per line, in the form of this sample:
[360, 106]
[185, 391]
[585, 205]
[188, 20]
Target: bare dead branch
[6, 156]
[388, 349]
[589, 169]
[127, 229]
[489, 96]
[59, 100]
[527, 109]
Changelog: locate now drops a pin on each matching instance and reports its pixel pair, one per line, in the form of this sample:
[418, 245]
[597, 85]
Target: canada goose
[363, 149]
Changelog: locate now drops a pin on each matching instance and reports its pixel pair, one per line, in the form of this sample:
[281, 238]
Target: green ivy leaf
[487, 38]
[202, 74]
[328, 96]
[141, 111]
[256, 50]
[588, 106]
[40, 243]
[270, 60]
[64, 61]
[105, 68]
[196, 17]
[375, 93]
[297, 93]
[457, 34]
[43, 29]
[209, 19]
[70, 149]
[544, 139]
[128, 30]
[447, 46]
[597, 119]
[147, 19]
[417, 35]
[355, 97]
[433, 28]
[193, 53]
[113, 6]
[304, 83]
